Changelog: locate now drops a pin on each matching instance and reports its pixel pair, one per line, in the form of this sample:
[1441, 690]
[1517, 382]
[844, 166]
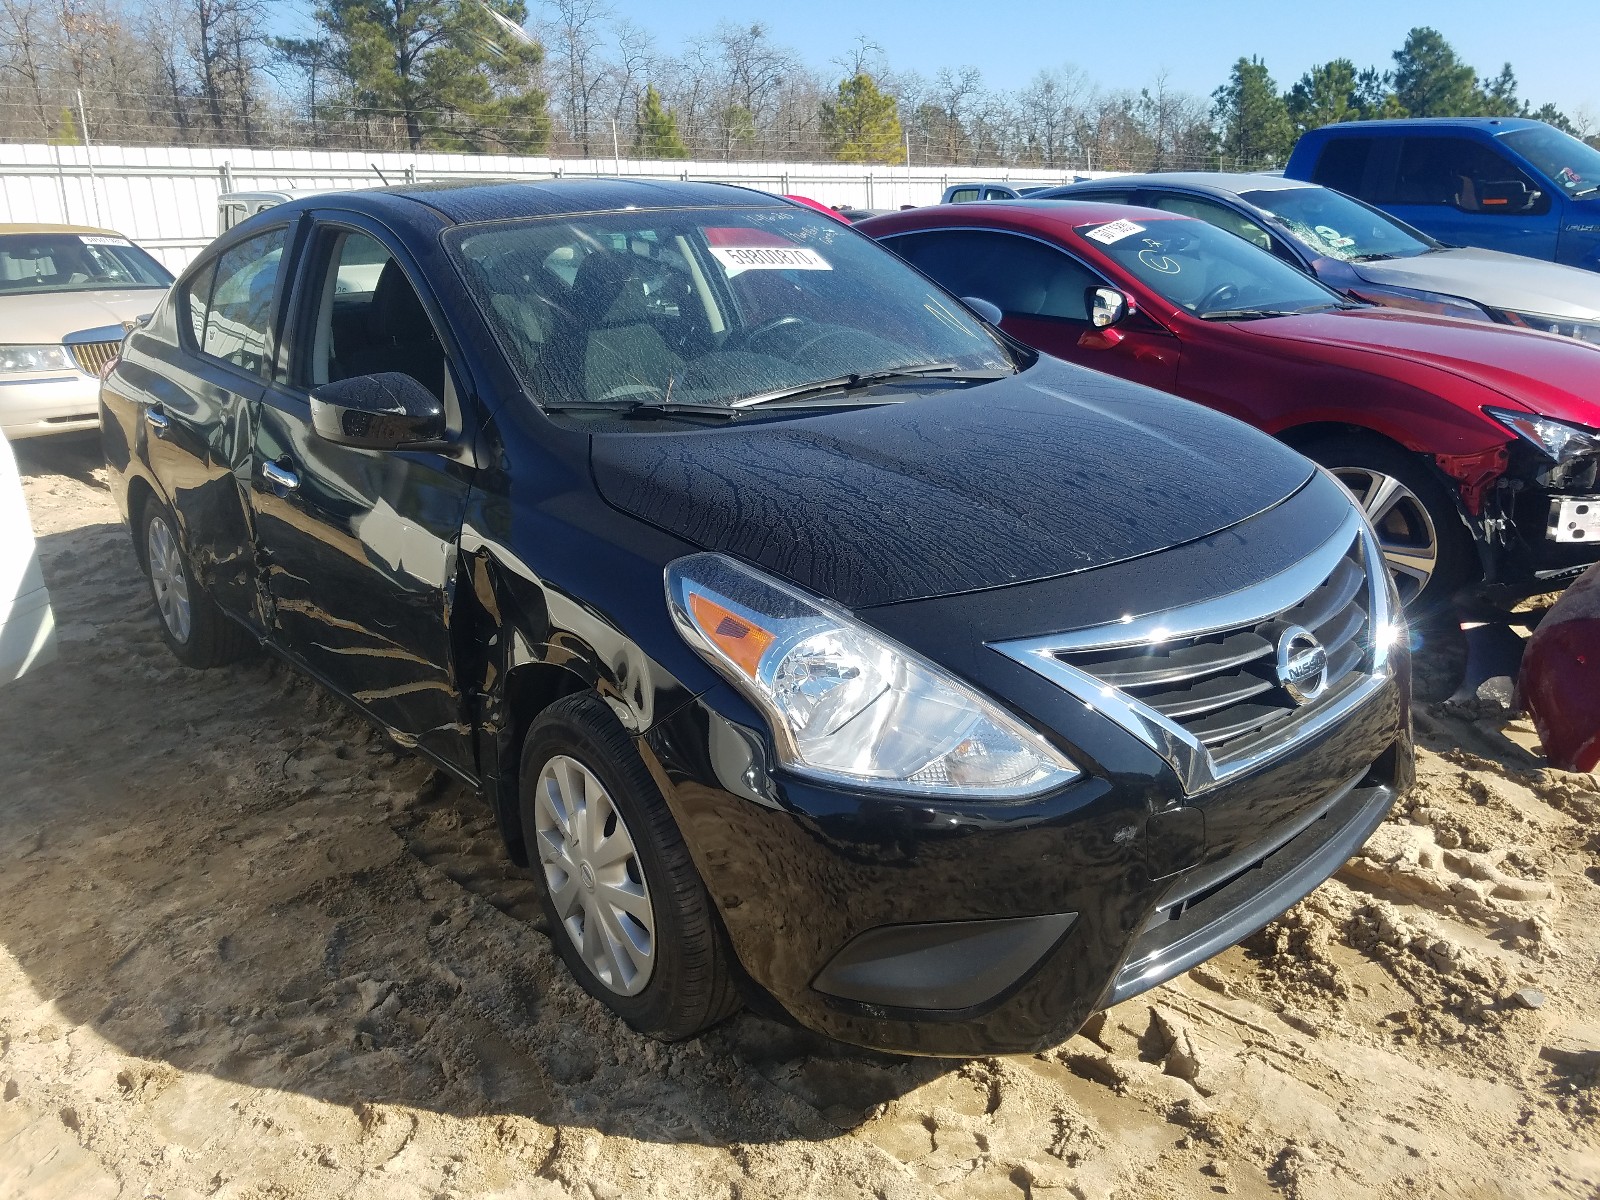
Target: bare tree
[576, 35]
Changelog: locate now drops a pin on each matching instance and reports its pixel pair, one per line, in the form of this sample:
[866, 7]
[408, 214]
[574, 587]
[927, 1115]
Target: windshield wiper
[861, 379]
[1248, 314]
[646, 408]
[1371, 257]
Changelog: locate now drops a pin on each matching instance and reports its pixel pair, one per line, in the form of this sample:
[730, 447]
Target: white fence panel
[165, 197]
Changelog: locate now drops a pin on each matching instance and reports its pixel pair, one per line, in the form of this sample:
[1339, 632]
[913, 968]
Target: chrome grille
[1199, 684]
[1223, 687]
[92, 357]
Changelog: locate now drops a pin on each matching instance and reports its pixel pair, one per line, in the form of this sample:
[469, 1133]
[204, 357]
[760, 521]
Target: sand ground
[247, 949]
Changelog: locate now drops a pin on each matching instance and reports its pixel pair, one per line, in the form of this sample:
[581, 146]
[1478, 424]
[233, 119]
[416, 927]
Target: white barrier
[165, 197]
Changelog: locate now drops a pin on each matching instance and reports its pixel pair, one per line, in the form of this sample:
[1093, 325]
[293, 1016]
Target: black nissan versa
[815, 643]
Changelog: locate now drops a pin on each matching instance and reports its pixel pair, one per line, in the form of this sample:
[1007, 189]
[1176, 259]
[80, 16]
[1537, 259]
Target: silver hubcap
[594, 875]
[167, 580]
[1406, 534]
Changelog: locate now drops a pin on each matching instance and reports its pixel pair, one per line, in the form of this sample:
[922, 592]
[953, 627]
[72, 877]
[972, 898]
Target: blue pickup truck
[1504, 183]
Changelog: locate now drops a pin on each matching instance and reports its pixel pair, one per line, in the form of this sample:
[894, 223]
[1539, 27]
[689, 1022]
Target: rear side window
[963, 195]
[1019, 276]
[195, 301]
[1343, 165]
[240, 308]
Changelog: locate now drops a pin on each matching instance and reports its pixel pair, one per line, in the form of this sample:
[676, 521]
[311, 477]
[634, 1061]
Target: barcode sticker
[735, 259]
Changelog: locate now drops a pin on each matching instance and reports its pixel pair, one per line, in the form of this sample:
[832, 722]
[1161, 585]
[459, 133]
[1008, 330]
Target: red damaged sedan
[1474, 448]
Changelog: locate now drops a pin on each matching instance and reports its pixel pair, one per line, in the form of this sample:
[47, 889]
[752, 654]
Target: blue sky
[1125, 45]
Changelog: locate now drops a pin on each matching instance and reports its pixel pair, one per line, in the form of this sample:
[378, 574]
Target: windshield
[1205, 269]
[1573, 165]
[1333, 225]
[707, 306]
[74, 262]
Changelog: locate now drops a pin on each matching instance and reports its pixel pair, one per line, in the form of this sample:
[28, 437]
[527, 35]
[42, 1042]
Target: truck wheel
[627, 911]
[1427, 547]
[194, 628]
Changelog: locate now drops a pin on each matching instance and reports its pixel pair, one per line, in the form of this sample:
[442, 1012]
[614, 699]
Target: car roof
[1493, 123]
[1229, 183]
[31, 227]
[468, 201]
[1060, 214]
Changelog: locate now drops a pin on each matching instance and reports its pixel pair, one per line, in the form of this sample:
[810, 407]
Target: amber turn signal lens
[742, 641]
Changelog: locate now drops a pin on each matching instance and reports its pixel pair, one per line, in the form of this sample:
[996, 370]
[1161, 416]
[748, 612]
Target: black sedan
[817, 643]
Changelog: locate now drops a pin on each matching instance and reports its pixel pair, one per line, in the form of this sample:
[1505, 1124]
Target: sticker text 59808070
[768, 258]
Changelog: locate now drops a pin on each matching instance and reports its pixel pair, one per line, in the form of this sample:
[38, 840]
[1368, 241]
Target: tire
[194, 628]
[662, 964]
[1413, 513]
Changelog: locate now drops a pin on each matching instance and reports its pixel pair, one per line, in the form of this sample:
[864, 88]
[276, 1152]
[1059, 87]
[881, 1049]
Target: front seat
[400, 337]
[617, 349]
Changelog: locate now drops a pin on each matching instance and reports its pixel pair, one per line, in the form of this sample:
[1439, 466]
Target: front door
[359, 546]
[1467, 193]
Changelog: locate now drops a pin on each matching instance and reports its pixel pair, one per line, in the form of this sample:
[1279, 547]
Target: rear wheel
[627, 911]
[1427, 547]
[192, 625]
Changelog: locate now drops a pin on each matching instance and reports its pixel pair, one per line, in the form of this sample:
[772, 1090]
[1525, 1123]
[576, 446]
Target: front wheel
[627, 910]
[1420, 532]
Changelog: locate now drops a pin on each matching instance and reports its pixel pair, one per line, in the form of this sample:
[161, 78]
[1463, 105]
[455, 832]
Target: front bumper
[59, 403]
[1019, 921]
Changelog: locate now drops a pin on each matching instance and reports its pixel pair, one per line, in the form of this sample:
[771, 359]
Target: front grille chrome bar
[1198, 771]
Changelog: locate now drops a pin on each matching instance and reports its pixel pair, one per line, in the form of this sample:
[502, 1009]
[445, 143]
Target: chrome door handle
[157, 420]
[279, 476]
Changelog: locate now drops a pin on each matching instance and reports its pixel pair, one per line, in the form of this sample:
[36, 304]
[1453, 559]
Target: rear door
[200, 415]
[359, 546]
[1043, 293]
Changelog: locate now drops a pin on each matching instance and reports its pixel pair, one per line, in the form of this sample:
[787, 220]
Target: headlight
[846, 704]
[1559, 440]
[34, 360]
[1584, 331]
[1412, 300]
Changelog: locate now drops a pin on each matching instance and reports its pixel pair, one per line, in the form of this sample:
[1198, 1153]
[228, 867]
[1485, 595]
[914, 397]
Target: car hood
[40, 318]
[1503, 281]
[1555, 376]
[1055, 470]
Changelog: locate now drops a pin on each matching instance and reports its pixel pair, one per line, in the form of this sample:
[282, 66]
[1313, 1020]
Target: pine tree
[861, 123]
[1497, 97]
[1325, 94]
[1430, 81]
[657, 130]
[458, 73]
[1256, 130]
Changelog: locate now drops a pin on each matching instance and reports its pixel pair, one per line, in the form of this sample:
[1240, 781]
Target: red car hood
[1554, 376]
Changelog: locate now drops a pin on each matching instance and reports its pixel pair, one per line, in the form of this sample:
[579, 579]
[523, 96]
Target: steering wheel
[630, 389]
[756, 332]
[1217, 297]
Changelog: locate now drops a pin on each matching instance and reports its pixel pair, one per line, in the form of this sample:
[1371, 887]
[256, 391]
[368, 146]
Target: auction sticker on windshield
[735, 259]
[95, 240]
[1114, 232]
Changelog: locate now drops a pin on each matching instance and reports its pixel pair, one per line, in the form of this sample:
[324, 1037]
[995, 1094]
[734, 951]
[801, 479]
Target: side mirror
[387, 411]
[989, 312]
[1107, 306]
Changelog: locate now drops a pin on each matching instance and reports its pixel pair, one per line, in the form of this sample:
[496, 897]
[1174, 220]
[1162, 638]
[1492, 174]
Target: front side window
[1205, 270]
[1335, 226]
[369, 318]
[706, 306]
[1574, 166]
[1462, 173]
[240, 310]
[75, 262]
[1018, 275]
[1213, 213]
